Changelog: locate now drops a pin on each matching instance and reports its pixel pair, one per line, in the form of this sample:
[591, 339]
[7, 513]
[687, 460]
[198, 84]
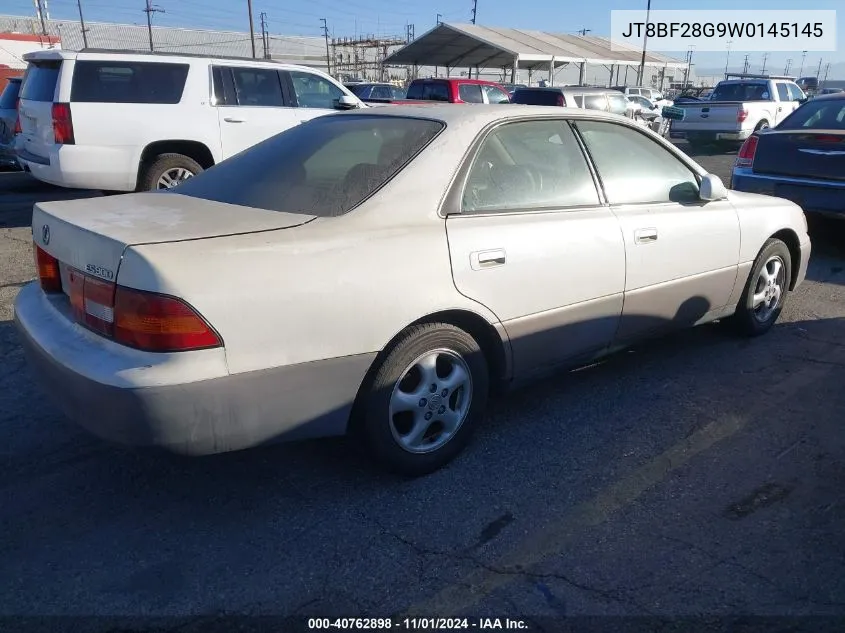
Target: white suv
[119, 121]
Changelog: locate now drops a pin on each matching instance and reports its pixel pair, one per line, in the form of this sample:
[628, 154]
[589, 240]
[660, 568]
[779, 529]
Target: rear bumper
[83, 167]
[703, 136]
[814, 196]
[186, 403]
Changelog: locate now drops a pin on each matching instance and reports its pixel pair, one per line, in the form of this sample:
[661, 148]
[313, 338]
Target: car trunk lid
[709, 116]
[818, 154]
[91, 234]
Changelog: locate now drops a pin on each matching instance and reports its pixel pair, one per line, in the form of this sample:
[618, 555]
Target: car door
[251, 106]
[785, 104]
[530, 240]
[682, 253]
[312, 94]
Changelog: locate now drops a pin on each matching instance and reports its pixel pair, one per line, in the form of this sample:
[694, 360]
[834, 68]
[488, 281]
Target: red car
[454, 91]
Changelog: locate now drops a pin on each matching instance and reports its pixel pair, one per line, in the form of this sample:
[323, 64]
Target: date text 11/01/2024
[724, 29]
[415, 624]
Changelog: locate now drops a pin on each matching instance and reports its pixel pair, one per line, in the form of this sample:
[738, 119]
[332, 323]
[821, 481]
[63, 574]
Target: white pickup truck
[736, 109]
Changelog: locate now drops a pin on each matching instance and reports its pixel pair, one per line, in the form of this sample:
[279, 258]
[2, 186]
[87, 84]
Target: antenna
[149, 10]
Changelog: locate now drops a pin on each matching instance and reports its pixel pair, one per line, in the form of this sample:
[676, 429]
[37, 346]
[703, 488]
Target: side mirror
[712, 188]
[347, 102]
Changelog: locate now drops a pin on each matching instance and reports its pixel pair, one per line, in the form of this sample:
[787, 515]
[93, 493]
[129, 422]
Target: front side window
[470, 93]
[795, 93]
[313, 91]
[324, 167]
[634, 168]
[529, 165]
[494, 95]
[258, 87]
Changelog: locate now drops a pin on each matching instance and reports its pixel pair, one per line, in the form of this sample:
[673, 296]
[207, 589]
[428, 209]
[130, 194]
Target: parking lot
[699, 474]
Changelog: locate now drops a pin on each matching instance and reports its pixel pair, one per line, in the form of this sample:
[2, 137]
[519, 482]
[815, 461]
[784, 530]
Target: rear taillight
[561, 101]
[157, 323]
[49, 274]
[92, 300]
[62, 124]
[741, 115]
[18, 129]
[745, 157]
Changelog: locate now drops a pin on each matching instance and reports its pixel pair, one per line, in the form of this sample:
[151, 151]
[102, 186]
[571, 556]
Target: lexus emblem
[45, 234]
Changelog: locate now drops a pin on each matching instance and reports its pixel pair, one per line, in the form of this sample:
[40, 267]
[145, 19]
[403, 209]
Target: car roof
[480, 115]
[459, 79]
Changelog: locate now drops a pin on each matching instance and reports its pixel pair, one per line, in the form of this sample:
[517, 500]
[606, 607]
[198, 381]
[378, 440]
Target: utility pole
[803, 57]
[819, 70]
[787, 67]
[439, 18]
[265, 37]
[728, 58]
[745, 65]
[641, 73]
[41, 10]
[82, 24]
[826, 71]
[325, 28]
[251, 27]
[689, 66]
[474, 10]
[149, 11]
[583, 32]
[765, 58]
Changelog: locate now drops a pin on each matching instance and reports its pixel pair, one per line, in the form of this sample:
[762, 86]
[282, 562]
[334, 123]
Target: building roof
[470, 45]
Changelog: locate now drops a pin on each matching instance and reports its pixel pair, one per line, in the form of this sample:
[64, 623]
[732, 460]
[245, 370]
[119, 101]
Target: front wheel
[765, 291]
[426, 399]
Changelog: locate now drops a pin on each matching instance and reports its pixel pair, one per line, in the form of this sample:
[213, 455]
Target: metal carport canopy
[470, 45]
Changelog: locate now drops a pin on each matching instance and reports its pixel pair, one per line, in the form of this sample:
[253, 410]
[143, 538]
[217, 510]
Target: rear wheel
[168, 171]
[762, 125]
[426, 399]
[765, 291]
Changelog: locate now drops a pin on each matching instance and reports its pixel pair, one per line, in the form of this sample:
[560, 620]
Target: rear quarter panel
[761, 217]
[331, 288]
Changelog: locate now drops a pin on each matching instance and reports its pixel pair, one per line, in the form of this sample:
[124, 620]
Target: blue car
[802, 159]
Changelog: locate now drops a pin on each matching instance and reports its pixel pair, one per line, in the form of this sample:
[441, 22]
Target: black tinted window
[634, 168]
[536, 97]
[9, 98]
[127, 82]
[324, 167]
[429, 91]
[39, 83]
[741, 91]
[824, 114]
[470, 93]
[258, 87]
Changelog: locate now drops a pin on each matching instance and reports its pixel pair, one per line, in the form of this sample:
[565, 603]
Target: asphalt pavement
[700, 474]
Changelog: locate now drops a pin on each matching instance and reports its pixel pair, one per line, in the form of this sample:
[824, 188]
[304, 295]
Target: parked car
[736, 109]
[376, 91]
[253, 303]
[9, 123]
[655, 96]
[127, 121]
[802, 159]
[511, 88]
[454, 91]
[573, 97]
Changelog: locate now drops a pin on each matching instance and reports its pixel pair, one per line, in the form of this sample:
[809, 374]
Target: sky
[390, 17]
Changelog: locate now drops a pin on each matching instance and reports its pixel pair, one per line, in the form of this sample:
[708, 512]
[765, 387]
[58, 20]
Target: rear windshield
[39, 82]
[127, 82]
[741, 91]
[9, 98]
[536, 97]
[822, 114]
[324, 167]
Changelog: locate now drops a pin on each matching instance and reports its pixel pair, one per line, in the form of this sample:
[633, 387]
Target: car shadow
[827, 262]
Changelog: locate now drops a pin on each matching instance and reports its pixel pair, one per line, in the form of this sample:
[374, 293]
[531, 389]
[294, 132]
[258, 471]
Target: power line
[149, 10]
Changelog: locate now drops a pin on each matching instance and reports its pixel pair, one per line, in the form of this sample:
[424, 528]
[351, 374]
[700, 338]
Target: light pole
[641, 73]
[728, 57]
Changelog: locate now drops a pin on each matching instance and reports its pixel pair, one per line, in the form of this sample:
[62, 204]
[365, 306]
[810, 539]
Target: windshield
[325, 167]
[741, 91]
[823, 114]
[9, 98]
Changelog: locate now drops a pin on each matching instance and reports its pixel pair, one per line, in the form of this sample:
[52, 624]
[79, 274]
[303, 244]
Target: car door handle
[231, 119]
[780, 108]
[645, 236]
[487, 259]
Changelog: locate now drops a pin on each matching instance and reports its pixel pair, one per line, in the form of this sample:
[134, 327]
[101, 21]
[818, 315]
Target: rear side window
[258, 87]
[39, 83]
[536, 97]
[595, 102]
[9, 98]
[325, 167]
[128, 82]
[618, 103]
[470, 93]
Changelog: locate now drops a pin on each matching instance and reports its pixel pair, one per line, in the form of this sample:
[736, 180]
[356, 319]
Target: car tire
[418, 413]
[770, 277]
[762, 125]
[168, 166]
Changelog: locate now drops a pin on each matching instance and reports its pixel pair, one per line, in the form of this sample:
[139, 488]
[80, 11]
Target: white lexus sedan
[380, 272]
